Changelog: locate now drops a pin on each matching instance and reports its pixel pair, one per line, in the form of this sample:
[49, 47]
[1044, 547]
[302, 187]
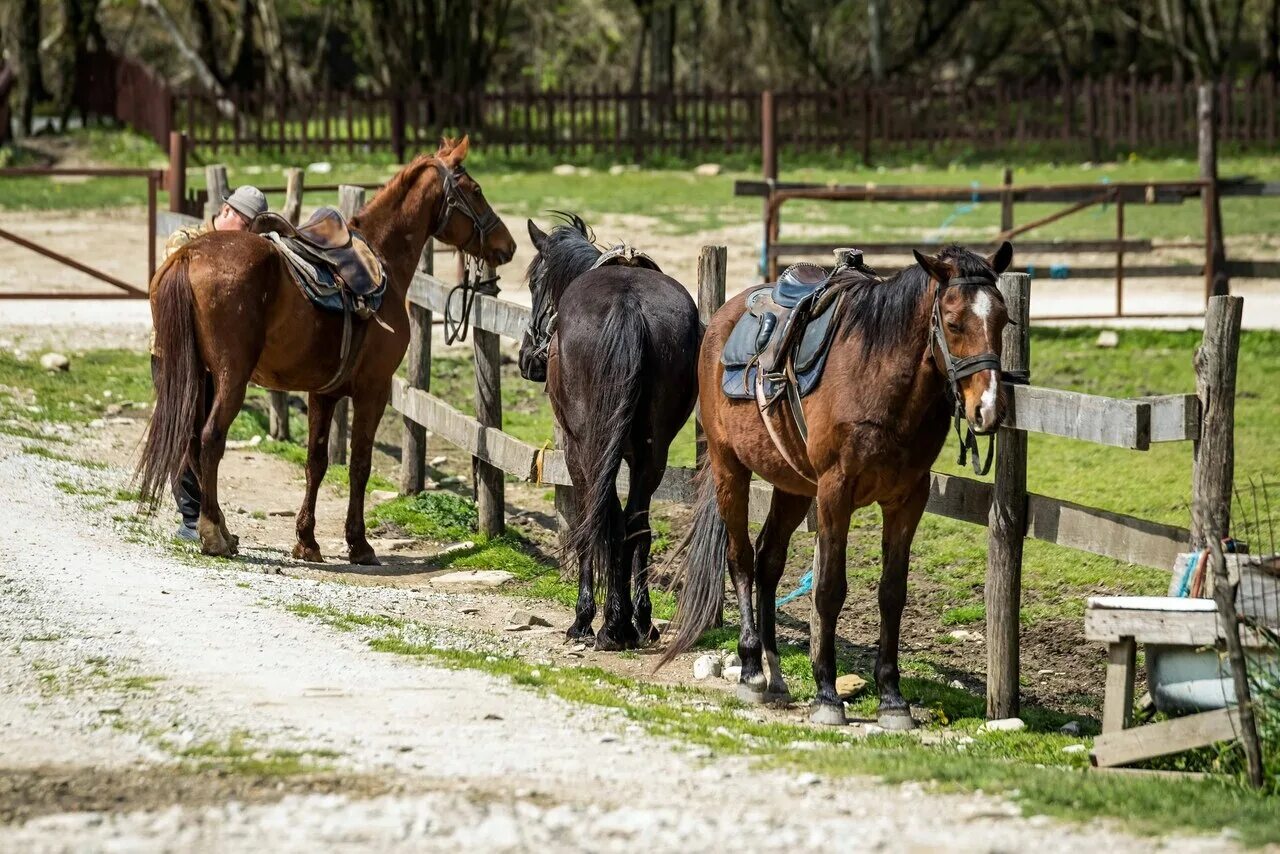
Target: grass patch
[237, 755]
[964, 615]
[49, 454]
[1028, 767]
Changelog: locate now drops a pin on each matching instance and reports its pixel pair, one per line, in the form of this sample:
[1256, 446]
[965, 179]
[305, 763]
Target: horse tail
[179, 380]
[624, 337]
[706, 559]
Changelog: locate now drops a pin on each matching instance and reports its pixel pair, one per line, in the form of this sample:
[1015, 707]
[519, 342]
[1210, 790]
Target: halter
[481, 223]
[542, 327]
[959, 369]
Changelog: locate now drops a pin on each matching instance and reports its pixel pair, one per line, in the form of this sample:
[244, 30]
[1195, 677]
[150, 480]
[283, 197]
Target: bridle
[542, 327]
[482, 224]
[957, 370]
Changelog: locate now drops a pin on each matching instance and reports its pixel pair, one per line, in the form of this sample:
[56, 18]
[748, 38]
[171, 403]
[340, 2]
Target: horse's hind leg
[319, 415]
[786, 512]
[368, 409]
[618, 631]
[900, 521]
[733, 484]
[835, 506]
[646, 474]
[585, 610]
[228, 396]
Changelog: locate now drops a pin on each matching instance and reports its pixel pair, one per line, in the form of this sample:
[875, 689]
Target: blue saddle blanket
[751, 337]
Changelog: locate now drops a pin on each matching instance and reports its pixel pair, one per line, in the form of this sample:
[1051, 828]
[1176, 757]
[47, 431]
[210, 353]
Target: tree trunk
[875, 38]
[31, 78]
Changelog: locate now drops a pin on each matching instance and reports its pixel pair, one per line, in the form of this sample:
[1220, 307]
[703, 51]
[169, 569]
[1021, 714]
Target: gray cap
[247, 201]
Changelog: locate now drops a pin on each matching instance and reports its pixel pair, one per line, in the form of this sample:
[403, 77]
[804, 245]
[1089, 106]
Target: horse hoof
[896, 721]
[750, 694]
[311, 554]
[649, 635]
[607, 641]
[364, 558]
[580, 633]
[777, 698]
[828, 715]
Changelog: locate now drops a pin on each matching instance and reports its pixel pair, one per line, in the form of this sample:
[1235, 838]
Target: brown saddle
[327, 239]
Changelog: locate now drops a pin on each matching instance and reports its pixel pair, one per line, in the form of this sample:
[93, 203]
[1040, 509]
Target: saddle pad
[745, 344]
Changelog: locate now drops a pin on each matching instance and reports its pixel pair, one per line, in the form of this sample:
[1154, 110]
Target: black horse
[617, 345]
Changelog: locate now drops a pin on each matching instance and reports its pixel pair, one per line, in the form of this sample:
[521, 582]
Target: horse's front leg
[835, 506]
[900, 521]
[319, 415]
[367, 411]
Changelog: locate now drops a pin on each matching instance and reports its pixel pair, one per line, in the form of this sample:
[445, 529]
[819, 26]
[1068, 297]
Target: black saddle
[327, 259]
[782, 340]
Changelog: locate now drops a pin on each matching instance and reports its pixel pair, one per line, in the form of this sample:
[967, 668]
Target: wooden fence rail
[1005, 507]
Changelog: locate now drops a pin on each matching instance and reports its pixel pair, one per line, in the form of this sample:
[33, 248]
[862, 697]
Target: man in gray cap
[237, 212]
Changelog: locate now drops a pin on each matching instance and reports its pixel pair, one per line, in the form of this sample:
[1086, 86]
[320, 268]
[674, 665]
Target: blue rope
[959, 211]
[806, 585]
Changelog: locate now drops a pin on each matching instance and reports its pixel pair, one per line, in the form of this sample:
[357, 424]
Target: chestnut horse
[617, 346]
[876, 422]
[225, 304]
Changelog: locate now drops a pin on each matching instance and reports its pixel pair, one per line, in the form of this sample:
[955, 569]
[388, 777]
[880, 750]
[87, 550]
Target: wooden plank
[1105, 533]
[487, 443]
[1174, 417]
[413, 443]
[1165, 192]
[1024, 247]
[1165, 737]
[490, 314]
[960, 498]
[1074, 415]
[1007, 521]
[1117, 710]
[1181, 628]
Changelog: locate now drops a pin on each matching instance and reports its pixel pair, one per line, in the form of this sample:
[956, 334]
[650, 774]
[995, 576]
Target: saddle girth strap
[349, 349]
[774, 435]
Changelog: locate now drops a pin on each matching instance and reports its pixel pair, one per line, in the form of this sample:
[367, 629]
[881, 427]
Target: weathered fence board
[1074, 415]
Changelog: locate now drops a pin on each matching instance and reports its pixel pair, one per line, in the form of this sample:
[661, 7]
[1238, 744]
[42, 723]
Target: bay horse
[617, 348]
[225, 304]
[876, 423]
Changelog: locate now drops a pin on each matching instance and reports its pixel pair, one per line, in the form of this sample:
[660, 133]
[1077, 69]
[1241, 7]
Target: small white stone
[564, 169]
[706, 667]
[1074, 748]
[957, 684]
[1004, 725]
[1108, 339]
[732, 674]
[808, 778]
[55, 362]
[707, 170]
[731, 659]
[1070, 728]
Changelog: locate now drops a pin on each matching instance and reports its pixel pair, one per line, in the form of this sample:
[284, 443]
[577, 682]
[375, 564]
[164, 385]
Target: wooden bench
[1122, 622]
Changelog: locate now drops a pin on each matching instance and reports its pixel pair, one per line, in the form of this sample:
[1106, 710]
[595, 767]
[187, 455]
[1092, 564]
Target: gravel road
[119, 656]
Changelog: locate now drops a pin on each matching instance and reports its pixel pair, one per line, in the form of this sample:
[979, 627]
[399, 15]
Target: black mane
[568, 252]
[883, 312]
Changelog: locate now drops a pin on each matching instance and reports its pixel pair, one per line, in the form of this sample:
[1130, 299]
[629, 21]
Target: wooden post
[769, 165]
[413, 447]
[177, 174]
[713, 262]
[1215, 258]
[215, 179]
[279, 400]
[489, 479]
[1007, 522]
[350, 200]
[1119, 254]
[1006, 201]
[1213, 456]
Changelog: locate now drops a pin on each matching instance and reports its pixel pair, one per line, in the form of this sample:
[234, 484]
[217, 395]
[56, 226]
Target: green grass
[237, 755]
[1028, 767]
[31, 394]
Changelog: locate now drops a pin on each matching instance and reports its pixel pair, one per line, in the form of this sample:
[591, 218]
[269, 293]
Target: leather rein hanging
[482, 224]
[959, 369]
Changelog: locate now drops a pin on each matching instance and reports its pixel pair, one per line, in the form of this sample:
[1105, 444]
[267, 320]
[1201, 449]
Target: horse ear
[460, 150]
[446, 145]
[537, 235]
[938, 270]
[1001, 260]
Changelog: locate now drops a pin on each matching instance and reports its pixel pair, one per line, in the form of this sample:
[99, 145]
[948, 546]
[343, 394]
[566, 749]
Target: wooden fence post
[279, 400]
[1006, 201]
[1213, 466]
[489, 479]
[177, 171]
[769, 166]
[1215, 260]
[1007, 519]
[413, 447]
[350, 200]
[215, 179]
[713, 262]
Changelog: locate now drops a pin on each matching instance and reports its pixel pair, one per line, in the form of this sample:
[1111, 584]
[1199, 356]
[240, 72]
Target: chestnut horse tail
[599, 529]
[706, 558]
[179, 379]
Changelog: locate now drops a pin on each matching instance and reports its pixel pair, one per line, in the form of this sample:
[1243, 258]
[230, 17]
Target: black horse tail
[706, 559]
[624, 337]
[179, 379]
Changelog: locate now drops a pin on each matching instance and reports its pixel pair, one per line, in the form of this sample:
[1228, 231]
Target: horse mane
[882, 312]
[568, 252]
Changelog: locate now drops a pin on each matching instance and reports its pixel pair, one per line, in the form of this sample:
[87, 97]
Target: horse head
[562, 255]
[468, 222]
[967, 326]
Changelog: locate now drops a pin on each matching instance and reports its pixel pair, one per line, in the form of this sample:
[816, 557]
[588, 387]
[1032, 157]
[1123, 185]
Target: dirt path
[121, 657]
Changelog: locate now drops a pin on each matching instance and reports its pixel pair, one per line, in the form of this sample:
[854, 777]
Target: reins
[456, 325]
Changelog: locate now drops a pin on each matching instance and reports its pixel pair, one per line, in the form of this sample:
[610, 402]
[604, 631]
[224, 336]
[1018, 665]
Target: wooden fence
[1009, 511]
[1097, 117]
